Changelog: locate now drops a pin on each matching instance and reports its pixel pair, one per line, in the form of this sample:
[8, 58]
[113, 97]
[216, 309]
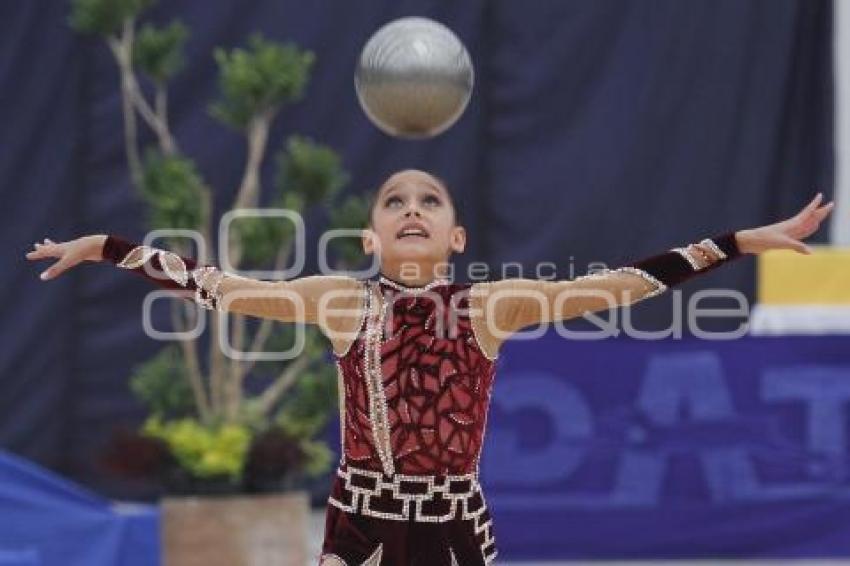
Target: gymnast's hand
[787, 234]
[70, 253]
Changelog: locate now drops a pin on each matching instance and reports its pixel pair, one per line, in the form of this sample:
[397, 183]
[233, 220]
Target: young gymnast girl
[416, 356]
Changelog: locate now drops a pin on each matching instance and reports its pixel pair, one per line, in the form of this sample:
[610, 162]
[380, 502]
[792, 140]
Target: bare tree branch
[161, 104]
[166, 140]
[190, 356]
[258, 134]
[264, 331]
[234, 381]
[246, 197]
[216, 356]
[282, 383]
[217, 367]
[131, 143]
[122, 50]
[240, 369]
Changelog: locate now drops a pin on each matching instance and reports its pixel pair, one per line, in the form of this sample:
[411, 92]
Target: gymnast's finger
[44, 250]
[56, 269]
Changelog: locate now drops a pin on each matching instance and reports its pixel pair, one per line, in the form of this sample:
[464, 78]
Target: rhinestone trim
[484, 427]
[378, 410]
[374, 560]
[330, 559]
[489, 539]
[413, 290]
[207, 278]
[137, 257]
[340, 383]
[207, 281]
[363, 310]
[474, 292]
[174, 267]
[714, 247]
[412, 501]
[688, 257]
[659, 287]
[172, 264]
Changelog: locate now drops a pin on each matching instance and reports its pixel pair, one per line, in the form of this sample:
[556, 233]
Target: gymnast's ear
[457, 239]
[370, 241]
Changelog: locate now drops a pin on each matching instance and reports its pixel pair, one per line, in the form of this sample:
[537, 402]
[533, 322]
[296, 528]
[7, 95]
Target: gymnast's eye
[431, 200]
[393, 201]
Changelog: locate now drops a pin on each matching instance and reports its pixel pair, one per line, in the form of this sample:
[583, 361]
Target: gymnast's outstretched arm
[335, 303]
[500, 308]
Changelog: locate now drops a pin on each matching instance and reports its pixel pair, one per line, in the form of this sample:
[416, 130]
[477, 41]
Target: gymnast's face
[413, 221]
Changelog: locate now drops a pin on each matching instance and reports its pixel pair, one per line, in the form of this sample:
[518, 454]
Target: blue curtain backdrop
[599, 131]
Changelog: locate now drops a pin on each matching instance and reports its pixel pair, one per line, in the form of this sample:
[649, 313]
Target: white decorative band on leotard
[426, 499]
[377, 312]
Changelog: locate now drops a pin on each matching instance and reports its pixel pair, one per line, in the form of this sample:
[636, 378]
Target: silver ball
[414, 78]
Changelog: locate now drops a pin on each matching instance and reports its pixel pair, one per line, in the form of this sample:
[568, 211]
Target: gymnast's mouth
[412, 230]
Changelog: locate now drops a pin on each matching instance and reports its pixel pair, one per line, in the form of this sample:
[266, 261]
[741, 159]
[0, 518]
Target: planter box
[245, 530]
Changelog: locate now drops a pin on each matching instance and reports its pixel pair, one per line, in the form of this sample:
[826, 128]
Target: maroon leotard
[416, 398]
[416, 369]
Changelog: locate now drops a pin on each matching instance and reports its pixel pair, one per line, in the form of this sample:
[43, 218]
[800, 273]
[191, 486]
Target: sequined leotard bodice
[415, 400]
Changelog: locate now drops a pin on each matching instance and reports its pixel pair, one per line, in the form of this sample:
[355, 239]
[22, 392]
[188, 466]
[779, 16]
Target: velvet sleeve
[502, 307]
[333, 302]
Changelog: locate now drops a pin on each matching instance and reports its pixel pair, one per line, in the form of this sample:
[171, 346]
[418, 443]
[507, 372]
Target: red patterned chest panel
[415, 396]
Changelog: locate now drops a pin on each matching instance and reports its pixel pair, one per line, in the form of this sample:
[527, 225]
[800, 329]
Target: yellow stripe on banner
[786, 277]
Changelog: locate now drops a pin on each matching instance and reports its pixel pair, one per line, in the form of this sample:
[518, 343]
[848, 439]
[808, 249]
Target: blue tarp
[46, 520]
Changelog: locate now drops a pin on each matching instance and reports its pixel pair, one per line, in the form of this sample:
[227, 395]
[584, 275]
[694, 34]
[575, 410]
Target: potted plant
[229, 439]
